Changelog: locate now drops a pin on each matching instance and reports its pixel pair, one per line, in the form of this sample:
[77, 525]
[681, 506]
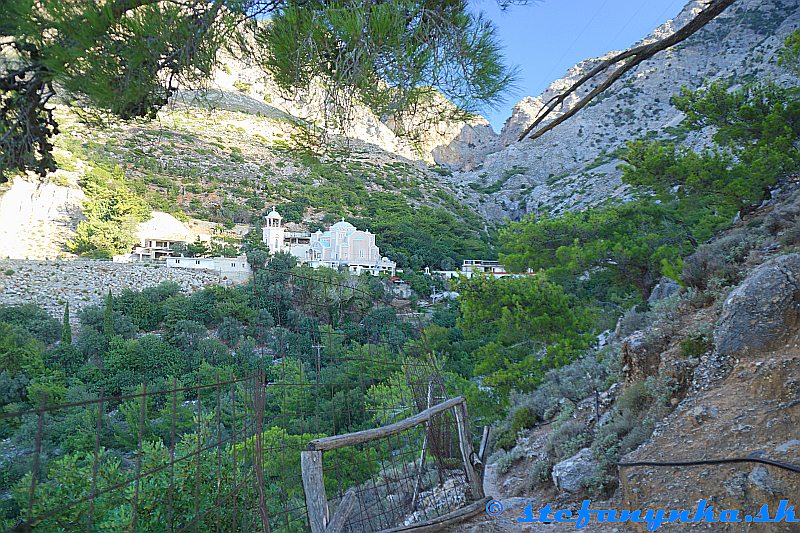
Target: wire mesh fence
[223, 453]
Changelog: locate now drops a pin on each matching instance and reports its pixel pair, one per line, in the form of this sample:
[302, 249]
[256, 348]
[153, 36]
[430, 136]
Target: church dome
[343, 226]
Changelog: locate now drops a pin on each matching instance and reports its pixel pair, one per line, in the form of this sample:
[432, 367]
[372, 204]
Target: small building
[482, 266]
[158, 235]
[496, 269]
[236, 268]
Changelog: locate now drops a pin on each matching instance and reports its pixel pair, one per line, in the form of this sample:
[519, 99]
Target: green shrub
[623, 433]
[523, 418]
[230, 331]
[566, 440]
[635, 398]
[791, 235]
[504, 438]
[661, 389]
[538, 475]
[505, 460]
[695, 345]
[572, 382]
[34, 320]
[242, 86]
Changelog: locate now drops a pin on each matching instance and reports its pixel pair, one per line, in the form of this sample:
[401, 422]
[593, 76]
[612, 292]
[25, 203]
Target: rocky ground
[754, 410]
[738, 397]
[514, 507]
[51, 284]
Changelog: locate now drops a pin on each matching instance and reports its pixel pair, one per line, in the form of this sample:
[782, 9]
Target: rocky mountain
[226, 154]
[575, 165]
[239, 139]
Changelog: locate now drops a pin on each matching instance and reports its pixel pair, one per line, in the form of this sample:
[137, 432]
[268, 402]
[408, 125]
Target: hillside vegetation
[656, 270]
[180, 349]
[657, 323]
[231, 167]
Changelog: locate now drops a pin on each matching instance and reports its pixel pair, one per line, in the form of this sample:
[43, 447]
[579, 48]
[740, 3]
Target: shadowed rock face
[764, 311]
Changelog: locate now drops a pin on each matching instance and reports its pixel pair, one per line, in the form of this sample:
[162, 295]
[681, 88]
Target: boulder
[764, 311]
[761, 479]
[702, 413]
[571, 474]
[639, 356]
[663, 289]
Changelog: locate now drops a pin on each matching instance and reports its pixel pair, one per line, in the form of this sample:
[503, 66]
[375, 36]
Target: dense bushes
[522, 327]
[631, 423]
[34, 320]
[606, 259]
[570, 383]
[162, 340]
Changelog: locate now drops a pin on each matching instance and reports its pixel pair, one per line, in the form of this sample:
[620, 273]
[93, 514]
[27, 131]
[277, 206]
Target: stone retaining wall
[51, 284]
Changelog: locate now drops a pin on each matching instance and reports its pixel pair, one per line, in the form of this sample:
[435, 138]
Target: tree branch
[634, 57]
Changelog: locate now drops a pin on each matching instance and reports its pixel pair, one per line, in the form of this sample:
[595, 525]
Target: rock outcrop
[764, 311]
[639, 357]
[37, 218]
[575, 165]
[571, 474]
[663, 289]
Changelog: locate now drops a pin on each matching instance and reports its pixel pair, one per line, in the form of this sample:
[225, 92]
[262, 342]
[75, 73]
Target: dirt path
[514, 506]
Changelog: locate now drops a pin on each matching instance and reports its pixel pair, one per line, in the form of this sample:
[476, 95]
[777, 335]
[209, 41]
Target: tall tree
[108, 316]
[66, 331]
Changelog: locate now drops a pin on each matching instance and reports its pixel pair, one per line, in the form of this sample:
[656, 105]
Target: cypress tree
[66, 328]
[108, 319]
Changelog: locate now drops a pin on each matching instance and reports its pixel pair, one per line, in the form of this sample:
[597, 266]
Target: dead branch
[634, 56]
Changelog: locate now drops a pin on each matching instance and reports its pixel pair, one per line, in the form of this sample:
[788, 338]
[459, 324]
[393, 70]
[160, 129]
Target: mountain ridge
[574, 166]
[455, 165]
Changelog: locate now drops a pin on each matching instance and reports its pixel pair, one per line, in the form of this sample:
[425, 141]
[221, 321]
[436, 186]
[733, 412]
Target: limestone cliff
[574, 165]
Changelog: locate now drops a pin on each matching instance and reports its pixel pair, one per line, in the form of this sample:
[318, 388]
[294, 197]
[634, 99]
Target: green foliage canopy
[127, 57]
[527, 325]
[112, 211]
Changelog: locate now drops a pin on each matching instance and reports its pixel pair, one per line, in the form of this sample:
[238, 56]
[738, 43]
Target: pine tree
[66, 330]
[108, 319]
[120, 57]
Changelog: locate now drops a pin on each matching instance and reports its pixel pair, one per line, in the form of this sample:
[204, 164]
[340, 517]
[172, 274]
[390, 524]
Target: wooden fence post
[467, 453]
[484, 444]
[314, 485]
[339, 518]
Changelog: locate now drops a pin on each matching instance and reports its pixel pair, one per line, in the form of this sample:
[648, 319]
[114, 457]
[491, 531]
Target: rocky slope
[574, 165]
[224, 152]
[221, 157]
[37, 218]
[729, 361]
[241, 85]
[240, 140]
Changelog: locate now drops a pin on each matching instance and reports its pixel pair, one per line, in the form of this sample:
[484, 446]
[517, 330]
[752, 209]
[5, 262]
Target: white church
[341, 246]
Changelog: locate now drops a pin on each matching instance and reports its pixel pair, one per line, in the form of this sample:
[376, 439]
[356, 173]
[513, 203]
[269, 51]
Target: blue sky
[545, 38]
